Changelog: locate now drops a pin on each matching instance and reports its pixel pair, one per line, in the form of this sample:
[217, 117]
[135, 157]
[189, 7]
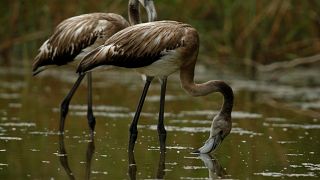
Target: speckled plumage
[76, 36]
[147, 47]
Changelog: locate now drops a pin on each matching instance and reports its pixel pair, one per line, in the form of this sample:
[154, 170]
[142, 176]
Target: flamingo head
[220, 128]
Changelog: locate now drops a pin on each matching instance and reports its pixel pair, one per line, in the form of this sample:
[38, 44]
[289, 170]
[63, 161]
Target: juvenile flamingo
[78, 35]
[158, 49]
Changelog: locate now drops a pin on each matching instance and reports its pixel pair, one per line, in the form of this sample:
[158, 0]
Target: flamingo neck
[134, 12]
[202, 89]
[150, 8]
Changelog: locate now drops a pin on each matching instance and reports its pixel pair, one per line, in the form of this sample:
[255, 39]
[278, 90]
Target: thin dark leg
[133, 126]
[64, 108]
[90, 116]
[161, 130]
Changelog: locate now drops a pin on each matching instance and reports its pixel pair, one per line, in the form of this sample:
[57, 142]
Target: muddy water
[276, 129]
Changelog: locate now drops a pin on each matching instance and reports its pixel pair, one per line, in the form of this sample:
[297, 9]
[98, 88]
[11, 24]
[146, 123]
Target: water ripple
[236, 130]
[10, 138]
[20, 124]
[294, 126]
[9, 96]
[277, 174]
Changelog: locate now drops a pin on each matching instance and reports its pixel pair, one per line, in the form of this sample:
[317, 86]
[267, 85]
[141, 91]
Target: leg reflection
[132, 171]
[216, 171]
[63, 157]
[132, 166]
[161, 166]
[90, 152]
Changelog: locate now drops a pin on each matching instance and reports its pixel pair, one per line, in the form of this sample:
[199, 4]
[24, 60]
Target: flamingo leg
[90, 116]
[64, 107]
[161, 129]
[133, 126]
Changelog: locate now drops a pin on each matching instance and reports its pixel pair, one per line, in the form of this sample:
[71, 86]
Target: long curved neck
[134, 12]
[150, 8]
[194, 89]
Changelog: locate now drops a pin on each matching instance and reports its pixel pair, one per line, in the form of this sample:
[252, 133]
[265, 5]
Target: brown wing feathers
[74, 34]
[64, 45]
[136, 46]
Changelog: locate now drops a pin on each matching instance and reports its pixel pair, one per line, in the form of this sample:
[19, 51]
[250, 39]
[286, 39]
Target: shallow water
[274, 135]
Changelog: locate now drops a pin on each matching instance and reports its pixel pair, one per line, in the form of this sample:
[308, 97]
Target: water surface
[276, 129]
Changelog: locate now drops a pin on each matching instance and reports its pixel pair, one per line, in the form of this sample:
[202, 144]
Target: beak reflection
[216, 171]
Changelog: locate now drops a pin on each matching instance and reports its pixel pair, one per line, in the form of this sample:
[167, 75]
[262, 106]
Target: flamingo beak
[211, 144]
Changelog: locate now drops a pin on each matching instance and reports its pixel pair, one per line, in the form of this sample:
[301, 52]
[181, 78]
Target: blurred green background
[233, 32]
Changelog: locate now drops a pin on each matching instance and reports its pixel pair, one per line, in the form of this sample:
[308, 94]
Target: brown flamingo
[78, 35]
[158, 49]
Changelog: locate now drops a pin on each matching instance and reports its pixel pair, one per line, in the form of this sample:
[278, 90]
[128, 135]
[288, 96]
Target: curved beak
[211, 144]
[150, 8]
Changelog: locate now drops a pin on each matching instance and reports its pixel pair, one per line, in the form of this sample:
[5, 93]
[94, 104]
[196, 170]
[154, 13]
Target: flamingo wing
[73, 35]
[137, 46]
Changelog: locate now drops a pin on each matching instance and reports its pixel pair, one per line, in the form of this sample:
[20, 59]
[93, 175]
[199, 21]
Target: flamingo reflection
[63, 157]
[216, 171]
[132, 171]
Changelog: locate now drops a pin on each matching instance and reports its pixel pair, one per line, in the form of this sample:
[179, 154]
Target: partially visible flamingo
[158, 49]
[76, 36]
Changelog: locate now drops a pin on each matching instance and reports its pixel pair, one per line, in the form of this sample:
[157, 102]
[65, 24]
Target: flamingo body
[154, 49]
[76, 36]
[158, 49]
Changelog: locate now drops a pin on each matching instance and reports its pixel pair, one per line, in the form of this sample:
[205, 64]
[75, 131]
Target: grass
[231, 31]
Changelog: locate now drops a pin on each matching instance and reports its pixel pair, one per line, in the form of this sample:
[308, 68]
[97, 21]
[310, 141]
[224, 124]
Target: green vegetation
[232, 31]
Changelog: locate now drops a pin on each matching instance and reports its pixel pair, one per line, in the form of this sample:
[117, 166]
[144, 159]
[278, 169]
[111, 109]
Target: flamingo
[78, 35]
[158, 49]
